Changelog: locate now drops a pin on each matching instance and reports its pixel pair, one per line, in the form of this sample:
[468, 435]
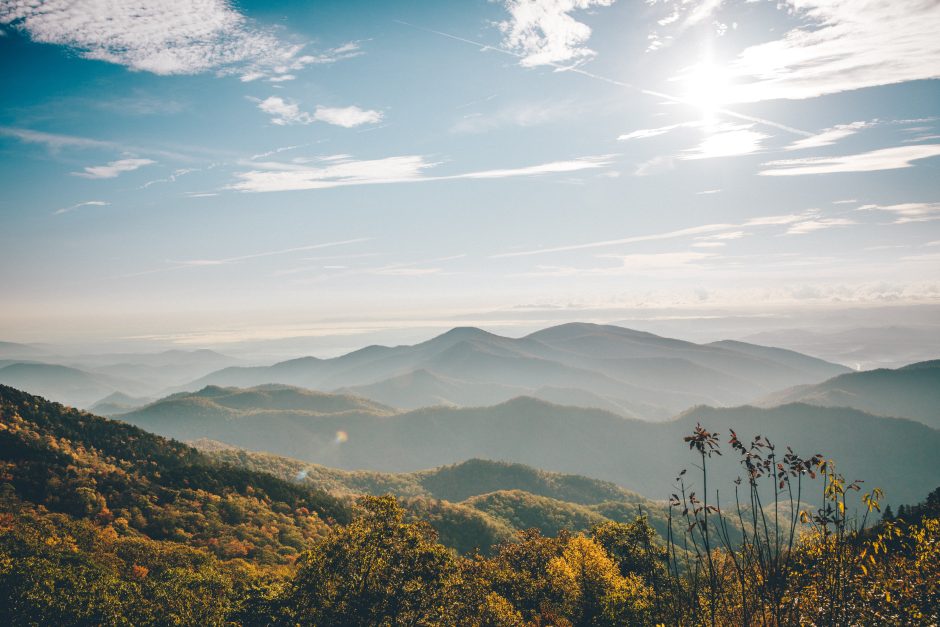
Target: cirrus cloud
[882, 159]
[343, 170]
[113, 169]
[167, 37]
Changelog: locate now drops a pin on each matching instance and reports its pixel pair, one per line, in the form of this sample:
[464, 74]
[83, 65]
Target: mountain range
[83, 380]
[912, 391]
[629, 372]
[238, 504]
[353, 433]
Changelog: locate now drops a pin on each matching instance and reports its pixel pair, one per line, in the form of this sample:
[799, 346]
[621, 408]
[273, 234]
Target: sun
[706, 86]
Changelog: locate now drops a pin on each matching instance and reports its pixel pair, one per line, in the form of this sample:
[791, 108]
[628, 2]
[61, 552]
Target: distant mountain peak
[461, 334]
[574, 329]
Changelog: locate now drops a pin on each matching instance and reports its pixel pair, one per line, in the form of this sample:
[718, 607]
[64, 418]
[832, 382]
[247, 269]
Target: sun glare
[706, 87]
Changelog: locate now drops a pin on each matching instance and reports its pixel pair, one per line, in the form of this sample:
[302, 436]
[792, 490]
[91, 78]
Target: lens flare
[341, 436]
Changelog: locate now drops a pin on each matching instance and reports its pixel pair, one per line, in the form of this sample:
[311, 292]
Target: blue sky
[198, 172]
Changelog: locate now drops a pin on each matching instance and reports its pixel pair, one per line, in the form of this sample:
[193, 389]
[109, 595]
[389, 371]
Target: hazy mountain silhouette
[638, 455]
[64, 384]
[618, 369]
[860, 348]
[84, 379]
[118, 403]
[910, 392]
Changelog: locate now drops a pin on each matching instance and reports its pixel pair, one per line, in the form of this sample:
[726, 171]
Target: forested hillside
[140, 484]
[102, 523]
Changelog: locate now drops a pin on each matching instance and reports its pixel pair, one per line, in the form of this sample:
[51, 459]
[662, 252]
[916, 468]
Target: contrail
[612, 81]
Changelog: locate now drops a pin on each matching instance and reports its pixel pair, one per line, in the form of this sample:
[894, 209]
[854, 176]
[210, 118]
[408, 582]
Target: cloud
[713, 232]
[656, 165]
[277, 151]
[729, 235]
[842, 45]
[347, 117]
[553, 167]
[908, 212]
[166, 37]
[542, 32]
[292, 61]
[682, 15]
[113, 168]
[695, 230]
[828, 136]
[343, 170]
[170, 179]
[284, 112]
[519, 115]
[726, 140]
[404, 271]
[54, 141]
[276, 177]
[87, 203]
[196, 263]
[644, 133]
[629, 264]
[883, 159]
[817, 224]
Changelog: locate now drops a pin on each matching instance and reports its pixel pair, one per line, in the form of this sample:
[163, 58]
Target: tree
[378, 570]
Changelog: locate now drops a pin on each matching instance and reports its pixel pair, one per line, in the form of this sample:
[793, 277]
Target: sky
[210, 173]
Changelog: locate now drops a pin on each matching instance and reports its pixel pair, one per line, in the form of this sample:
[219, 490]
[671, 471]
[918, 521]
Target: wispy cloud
[843, 45]
[542, 32]
[817, 224]
[343, 170]
[295, 62]
[644, 133]
[829, 136]
[704, 232]
[54, 141]
[642, 263]
[680, 16]
[168, 37]
[883, 159]
[196, 263]
[169, 179]
[269, 153]
[552, 167]
[87, 203]
[522, 115]
[285, 112]
[695, 230]
[726, 140]
[276, 177]
[273, 253]
[908, 212]
[656, 165]
[113, 169]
